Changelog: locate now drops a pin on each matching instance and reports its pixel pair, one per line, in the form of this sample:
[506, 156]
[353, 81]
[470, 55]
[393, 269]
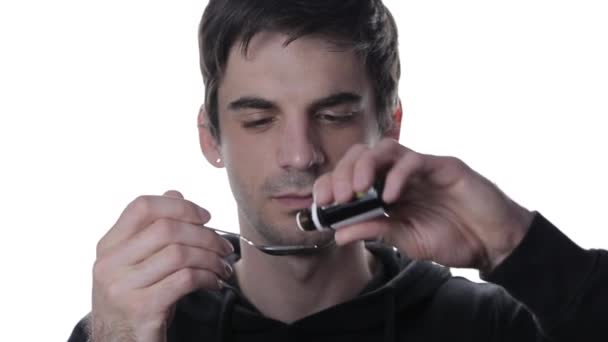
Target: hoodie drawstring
[389, 321]
[223, 324]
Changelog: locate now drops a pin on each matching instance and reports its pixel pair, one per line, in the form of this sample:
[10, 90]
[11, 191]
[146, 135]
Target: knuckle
[100, 247]
[99, 271]
[214, 262]
[453, 160]
[457, 165]
[142, 205]
[457, 162]
[187, 278]
[184, 209]
[164, 229]
[177, 256]
[416, 159]
[212, 241]
[173, 193]
[114, 293]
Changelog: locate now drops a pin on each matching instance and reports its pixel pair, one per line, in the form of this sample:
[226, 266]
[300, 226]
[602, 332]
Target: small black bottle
[365, 206]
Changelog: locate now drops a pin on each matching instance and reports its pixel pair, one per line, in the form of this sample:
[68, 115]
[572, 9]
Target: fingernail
[204, 214]
[317, 197]
[228, 269]
[229, 247]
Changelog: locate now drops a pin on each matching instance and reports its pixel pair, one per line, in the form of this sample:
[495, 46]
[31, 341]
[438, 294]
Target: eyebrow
[250, 102]
[253, 102]
[336, 99]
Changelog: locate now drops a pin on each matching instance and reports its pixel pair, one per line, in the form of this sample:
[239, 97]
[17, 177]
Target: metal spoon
[279, 249]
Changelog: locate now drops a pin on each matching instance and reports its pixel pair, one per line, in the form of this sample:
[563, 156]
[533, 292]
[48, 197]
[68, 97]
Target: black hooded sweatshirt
[548, 289]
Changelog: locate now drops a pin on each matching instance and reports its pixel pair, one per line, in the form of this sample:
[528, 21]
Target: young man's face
[288, 114]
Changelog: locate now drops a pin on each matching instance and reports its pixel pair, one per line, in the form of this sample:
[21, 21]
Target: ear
[209, 145]
[395, 132]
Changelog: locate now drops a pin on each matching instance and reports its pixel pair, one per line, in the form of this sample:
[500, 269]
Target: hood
[400, 285]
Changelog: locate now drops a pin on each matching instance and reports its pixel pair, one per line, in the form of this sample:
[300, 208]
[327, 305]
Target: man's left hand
[440, 209]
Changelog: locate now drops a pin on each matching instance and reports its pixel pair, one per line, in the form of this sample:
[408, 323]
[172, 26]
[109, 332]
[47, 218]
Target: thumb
[173, 194]
[368, 230]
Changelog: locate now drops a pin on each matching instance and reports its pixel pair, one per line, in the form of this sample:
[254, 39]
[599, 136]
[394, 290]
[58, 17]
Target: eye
[334, 118]
[258, 123]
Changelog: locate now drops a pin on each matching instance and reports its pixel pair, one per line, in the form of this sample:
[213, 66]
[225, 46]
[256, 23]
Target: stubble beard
[252, 213]
[285, 235]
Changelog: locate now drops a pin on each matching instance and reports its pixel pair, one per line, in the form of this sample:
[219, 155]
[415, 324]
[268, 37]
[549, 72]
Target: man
[301, 105]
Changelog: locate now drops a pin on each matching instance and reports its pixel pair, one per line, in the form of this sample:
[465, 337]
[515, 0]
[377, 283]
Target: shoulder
[459, 292]
[480, 309]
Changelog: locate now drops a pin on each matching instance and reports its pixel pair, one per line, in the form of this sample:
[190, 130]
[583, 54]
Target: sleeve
[564, 286]
[80, 333]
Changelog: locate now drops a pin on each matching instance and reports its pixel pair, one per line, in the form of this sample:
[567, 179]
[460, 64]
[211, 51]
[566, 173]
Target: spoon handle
[223, 232]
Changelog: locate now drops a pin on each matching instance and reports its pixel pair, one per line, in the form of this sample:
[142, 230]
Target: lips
[294, 201]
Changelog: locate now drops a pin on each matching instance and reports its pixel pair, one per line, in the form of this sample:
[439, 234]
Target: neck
[288, 288]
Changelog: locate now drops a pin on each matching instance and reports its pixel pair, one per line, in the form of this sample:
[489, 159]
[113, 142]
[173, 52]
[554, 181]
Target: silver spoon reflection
[278, 249]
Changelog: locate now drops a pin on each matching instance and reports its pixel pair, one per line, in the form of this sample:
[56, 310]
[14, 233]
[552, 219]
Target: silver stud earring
[218, 160]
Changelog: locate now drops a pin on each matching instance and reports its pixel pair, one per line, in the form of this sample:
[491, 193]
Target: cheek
[338, 143]
[243, 163]
[246, 162]
[243, 179]
[248, 155]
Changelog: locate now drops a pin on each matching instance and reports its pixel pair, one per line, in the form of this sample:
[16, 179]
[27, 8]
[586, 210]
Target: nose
[299, 146]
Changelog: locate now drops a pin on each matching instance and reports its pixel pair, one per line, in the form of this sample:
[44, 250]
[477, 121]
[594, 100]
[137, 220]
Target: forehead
[306, 68]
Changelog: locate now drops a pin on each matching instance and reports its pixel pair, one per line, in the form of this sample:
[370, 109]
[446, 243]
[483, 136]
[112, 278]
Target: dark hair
[365, 25]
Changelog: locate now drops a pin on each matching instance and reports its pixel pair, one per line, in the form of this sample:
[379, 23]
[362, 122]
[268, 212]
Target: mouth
[293, 201]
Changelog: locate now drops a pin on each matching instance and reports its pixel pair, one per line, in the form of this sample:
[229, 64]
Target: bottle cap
[304, 220]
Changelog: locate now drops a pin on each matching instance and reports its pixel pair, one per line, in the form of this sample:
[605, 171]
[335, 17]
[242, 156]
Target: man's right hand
[156, 253]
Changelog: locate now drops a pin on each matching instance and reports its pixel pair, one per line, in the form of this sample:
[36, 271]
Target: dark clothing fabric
[548, 289]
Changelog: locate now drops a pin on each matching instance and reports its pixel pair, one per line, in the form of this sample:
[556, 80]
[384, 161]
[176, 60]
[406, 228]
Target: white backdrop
[98, 104]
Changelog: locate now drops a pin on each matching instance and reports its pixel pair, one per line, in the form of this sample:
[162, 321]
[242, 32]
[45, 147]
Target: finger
[342, 175]
[444, 171]
[173, 258]
[164, 232]
[367, 230]
[370, 163]
[146, 209]
[392, 232]
[169, 290]
[409, 164]
[438, 171]
[174, 194]
[322, 190]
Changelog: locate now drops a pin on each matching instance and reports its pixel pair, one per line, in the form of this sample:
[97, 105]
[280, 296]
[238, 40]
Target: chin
[288, 233]
[313, 238]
